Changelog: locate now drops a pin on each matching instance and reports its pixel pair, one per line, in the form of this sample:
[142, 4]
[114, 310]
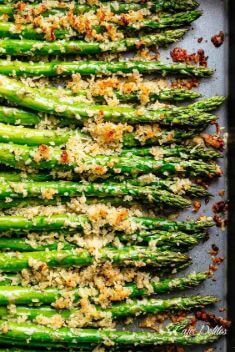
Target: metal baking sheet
[213, 20]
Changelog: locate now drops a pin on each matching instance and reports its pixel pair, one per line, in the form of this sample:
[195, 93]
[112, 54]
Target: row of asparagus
[192, 115]
[10, 9]
[84, 68]
[156, 243]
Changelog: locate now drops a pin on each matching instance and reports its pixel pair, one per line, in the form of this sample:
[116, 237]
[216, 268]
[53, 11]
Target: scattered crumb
[185, 83]
[181, 55]
[218, 39]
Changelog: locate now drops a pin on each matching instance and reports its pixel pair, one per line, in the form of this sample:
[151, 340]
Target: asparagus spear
[28, 136]
[30, 334]
[34, 202]
[187, 187]
[72, 189]
[192, 115]
[10, 262]
[160, 21]
[161, 5]
[116, 7]
[177, 185]
[166, 20]
[34, 137]
[62, 68]
[18, 177]
[130, 139]
[162, 240]
[155, 191]
[165, 240]
[23, 245]
[19, 47]
[10, 30]
[28, 295]
[80, 222]
[162, 94]
[165, 137]
[19, 156]
[185, 152]
[17, 116]
[123, 309]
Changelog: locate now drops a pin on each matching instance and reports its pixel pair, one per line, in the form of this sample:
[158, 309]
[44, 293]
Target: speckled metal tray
[213, 20]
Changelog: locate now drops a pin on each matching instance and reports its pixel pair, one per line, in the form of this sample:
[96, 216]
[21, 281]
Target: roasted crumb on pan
[185, 83]
[181, 55]
[212, 319]
[220, 207]
[218, 39]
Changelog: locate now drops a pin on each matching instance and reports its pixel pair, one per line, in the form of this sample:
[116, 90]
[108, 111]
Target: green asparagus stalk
[162, 240]
[30, 334]
[163, 94]
[166, 20]
[62, 68]
[163, 20]
[19, 47]
[10, 262]
[178, 327]
[185, 152]
[123, 309]
[23, 245]
[80, 223]
[23, 135]
[155, 192]
[165, 239]
[19, 156]
[187, 186]
[35, 202]
[11, 176]
[115, 7]
[165, 137]
[71, 189]
[192, 115]
[167, 225]
[29, 295]
[17, 116]
[10, 30]
[160, 5]
[130, 139]
[35, 137]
